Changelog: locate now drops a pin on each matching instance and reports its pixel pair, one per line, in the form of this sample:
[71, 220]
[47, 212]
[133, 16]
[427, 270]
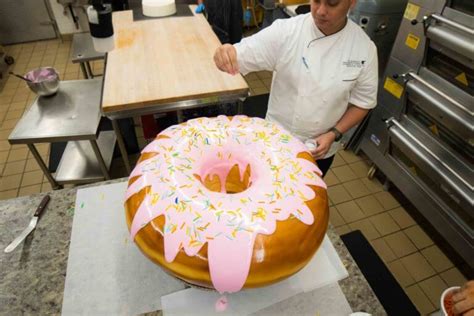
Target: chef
[324, 73]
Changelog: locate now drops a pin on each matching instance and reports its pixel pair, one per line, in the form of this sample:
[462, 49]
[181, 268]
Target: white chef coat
[315, 76]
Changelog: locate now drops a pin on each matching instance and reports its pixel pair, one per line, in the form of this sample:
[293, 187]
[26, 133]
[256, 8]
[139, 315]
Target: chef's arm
[353, 116]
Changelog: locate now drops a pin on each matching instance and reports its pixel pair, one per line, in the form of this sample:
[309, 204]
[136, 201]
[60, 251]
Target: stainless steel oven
[421, 135]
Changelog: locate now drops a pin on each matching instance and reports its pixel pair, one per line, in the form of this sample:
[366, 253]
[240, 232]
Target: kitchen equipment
[380, 19]
[421, 133]
[30, 227]
[44, 81]
[21, 77]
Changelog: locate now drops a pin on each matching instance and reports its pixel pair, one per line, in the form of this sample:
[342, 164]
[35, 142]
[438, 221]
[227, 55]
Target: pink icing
[221, 304]
[229, 223]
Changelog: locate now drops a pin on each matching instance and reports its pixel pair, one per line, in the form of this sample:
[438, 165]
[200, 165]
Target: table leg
[99, 157]
[240, 107]
[84, 71]
[121, 145]
[179, 115]
[89, 70]
[43, 167]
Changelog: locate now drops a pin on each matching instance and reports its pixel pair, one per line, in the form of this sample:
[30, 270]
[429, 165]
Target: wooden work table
[161, 61]
[163, 65]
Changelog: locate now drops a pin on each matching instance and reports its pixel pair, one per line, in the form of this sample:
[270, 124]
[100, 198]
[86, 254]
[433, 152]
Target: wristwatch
[337, 133]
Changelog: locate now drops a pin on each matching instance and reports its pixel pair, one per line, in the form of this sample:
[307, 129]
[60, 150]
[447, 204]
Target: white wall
[64, 19]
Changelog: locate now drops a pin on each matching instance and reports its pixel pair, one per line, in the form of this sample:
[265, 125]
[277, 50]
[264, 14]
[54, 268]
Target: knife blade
[31, 226]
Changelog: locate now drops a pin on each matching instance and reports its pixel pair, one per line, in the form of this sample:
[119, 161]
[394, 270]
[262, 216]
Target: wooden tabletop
[161, 61]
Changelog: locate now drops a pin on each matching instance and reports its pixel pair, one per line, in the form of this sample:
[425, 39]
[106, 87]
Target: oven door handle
[442, 19]
[440, 93]
[393, 122]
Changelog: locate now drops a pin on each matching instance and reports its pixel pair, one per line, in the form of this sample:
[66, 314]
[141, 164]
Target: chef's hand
[324, 142]
[463, 300]
[225, 59]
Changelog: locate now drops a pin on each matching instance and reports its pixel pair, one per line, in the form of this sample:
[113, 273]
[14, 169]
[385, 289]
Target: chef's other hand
[225, 59]
[463, 300]
[324, 142]
[200, 8]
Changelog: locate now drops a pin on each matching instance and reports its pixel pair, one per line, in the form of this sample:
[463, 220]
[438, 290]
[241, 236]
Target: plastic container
[444, 296]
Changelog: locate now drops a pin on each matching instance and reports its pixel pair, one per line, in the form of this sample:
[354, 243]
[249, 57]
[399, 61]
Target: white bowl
[449, 289]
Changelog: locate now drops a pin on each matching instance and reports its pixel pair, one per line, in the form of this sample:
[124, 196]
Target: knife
[30, 227]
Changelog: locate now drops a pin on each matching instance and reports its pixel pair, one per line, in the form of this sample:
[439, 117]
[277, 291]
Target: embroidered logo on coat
[353, 63]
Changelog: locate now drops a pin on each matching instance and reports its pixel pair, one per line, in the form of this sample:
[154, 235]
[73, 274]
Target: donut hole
[234, 183]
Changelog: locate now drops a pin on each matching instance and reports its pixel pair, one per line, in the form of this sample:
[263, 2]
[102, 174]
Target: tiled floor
[357, 203]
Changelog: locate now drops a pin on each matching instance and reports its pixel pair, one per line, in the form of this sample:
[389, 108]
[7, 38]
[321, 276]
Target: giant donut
[227, 203]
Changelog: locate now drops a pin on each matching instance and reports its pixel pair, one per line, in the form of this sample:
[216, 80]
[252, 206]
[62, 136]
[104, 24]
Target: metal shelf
[79, 163]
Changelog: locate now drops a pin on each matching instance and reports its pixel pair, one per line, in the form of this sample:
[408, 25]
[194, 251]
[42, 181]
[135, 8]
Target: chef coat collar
[318, 34]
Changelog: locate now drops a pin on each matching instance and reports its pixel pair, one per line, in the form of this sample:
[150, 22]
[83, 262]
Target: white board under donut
[108, 275]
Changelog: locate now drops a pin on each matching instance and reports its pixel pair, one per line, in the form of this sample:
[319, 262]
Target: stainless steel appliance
[421, 135]
[380, 19]
[25, 21]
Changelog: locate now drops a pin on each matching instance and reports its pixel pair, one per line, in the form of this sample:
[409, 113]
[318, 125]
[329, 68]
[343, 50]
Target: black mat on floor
[384, 285]
[136, 7]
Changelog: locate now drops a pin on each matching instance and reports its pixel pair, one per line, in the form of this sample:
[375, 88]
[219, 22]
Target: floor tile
[360, 168]
[402, 218]
[342, 230]
[437, 258]
[453, 277]
[256, 84]
[330, 179]
[10, 182]
[349, 156]
[338, 161]
[15, 114]
[369, 205]
[4, 145]
[338, 194]
[400, 273]
[383, 250]
[350, 212]
[384, 223]
[32, 189]
[373, 185]
[418, 237]
[15, 167]
[335, 218]
[367, 229]
[400, 244]
[46, 187]
[32, 177]
[264, 74]
[8, 124]
[31, 165]
[17, 154]
[258, 91]
[417, 266]
[433, 288]
[420, 300]
[356, 188]
[344, 173]
[387, 200]
[251, 76]
[10, 194]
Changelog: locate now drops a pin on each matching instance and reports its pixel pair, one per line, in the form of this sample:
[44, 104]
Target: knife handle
[42, 205]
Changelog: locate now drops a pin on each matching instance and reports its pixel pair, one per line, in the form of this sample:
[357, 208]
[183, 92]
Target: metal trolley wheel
[9, 60]
[371, 172]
